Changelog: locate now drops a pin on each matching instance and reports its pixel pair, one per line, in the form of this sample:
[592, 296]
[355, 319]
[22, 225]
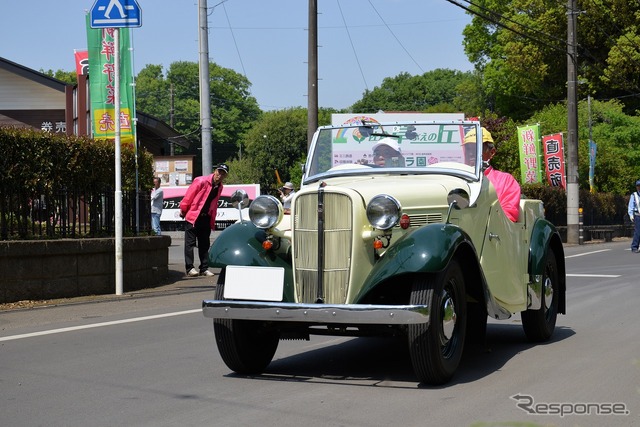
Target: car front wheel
[246, 347]
[436, 348]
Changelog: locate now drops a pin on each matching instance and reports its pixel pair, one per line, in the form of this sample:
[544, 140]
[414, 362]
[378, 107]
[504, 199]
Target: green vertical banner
[530, 154]
[101, 49]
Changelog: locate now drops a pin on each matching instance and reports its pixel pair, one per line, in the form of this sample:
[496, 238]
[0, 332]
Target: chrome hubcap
[548, 293]
[448, 315]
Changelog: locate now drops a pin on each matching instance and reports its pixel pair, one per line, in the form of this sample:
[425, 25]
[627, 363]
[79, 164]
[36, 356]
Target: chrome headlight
[265, 211]
[383, 212]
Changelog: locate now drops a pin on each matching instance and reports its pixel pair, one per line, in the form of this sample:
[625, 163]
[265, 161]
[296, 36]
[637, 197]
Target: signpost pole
[127, 14]
[118, 166]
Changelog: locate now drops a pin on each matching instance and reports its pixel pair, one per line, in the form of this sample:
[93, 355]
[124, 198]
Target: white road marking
[97, 325]
[587, 253]
[591, 275]
[594, 275]
[179, 313]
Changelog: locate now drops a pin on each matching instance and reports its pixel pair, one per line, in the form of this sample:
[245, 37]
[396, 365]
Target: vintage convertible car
[416, 245]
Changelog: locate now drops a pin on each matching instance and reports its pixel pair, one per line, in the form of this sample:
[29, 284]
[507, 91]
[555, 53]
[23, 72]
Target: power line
[395, 37]
[355, 52]
[497, 18]
[233, 36]
[506, 27]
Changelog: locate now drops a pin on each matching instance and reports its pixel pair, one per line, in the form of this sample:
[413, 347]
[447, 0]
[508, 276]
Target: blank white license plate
[254, 283]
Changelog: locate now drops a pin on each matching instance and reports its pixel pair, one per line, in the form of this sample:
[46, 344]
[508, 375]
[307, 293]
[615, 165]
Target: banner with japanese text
[100, 43]
[553, 147]
[530, 154]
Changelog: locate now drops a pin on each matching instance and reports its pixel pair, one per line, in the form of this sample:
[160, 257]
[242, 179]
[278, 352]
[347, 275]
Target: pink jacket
[193, 201]
[508, 191]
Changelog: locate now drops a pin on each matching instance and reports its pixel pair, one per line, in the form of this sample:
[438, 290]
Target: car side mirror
[238, 199]
[457, 199]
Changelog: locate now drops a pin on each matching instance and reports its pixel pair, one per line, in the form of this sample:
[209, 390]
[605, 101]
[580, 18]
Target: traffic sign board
[116, 14]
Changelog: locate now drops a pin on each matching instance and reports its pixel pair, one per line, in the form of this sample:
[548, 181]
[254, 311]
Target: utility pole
[171, 118]
[573, 203]
[205, 99]
[312, 92]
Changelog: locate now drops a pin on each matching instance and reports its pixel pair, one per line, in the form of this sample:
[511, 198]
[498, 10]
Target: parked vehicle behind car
[417, 247]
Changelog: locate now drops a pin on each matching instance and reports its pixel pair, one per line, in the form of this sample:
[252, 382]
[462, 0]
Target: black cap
[637, 182]
[223, 167]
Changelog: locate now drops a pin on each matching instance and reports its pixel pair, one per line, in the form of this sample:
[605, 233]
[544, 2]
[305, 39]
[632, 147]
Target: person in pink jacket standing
[199, 207]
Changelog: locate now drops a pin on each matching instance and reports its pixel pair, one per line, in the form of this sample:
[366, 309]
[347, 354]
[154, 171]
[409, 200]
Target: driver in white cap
[386, 152]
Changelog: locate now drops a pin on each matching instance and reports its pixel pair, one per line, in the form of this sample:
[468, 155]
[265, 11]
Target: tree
[153, 93]
[68, 77]
[436, 90]
[504, 133]
[278, 142]
[233, 109]
[616, 134]
[519, 46]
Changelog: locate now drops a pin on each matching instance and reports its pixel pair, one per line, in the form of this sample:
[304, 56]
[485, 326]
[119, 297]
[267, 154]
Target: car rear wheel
[436, 348]
[246, 347]
[539, 324]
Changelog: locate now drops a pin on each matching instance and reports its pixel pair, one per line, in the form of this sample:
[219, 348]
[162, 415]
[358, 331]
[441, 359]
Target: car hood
[410, 190]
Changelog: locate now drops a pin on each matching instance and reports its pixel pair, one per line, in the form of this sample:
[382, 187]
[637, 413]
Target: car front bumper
[348, 314]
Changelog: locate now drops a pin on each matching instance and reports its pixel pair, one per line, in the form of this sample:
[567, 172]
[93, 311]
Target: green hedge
[33, 160]
[598, 208]
[53, 185]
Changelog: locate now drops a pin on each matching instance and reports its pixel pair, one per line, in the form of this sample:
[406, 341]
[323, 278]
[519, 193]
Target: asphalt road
[150, 360]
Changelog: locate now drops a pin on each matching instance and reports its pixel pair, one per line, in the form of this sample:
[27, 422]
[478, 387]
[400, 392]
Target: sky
[361, 42]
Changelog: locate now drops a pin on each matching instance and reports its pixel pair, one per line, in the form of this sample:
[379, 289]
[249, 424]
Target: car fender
[426, 249]
[544, 235]
[241, 244]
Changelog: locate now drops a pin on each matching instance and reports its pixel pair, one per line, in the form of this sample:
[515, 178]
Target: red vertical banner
[82, 62]
[554, 160]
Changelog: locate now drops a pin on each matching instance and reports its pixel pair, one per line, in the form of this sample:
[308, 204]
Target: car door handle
[493, 236]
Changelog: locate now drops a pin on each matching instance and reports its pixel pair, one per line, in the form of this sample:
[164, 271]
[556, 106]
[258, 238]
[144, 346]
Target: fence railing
[68, 213]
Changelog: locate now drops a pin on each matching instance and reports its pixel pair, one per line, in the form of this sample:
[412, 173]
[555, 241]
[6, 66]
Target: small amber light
[267, 244]
[405, 221]
[377, 244]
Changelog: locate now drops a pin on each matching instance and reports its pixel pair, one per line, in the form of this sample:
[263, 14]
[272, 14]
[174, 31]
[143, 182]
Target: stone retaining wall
[49, 269]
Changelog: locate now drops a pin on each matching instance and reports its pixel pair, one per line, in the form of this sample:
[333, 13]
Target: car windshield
[402, 148]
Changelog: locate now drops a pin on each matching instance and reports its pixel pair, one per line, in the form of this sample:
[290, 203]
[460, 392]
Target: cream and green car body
[423, 251]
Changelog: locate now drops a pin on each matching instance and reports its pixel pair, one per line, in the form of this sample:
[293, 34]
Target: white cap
[389, 142]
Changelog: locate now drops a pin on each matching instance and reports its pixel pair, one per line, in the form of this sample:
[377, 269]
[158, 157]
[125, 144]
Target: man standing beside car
[199, 207]
[634, 215]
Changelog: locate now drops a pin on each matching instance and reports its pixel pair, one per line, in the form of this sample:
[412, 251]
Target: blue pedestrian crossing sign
[115, 14]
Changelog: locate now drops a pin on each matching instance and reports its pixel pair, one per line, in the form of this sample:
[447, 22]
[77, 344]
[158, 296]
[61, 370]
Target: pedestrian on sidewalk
[157, 200]
[198, 208]
[287, 191]
[634, 215]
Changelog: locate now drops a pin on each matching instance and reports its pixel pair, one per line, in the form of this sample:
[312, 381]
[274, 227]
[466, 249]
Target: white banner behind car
[226, 212]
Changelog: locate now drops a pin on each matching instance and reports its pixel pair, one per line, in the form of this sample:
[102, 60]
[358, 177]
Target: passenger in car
[507, 188]
[386, 152]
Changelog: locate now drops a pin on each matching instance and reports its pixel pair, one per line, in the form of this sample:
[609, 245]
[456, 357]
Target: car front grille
[335, 244]
[418, 220]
